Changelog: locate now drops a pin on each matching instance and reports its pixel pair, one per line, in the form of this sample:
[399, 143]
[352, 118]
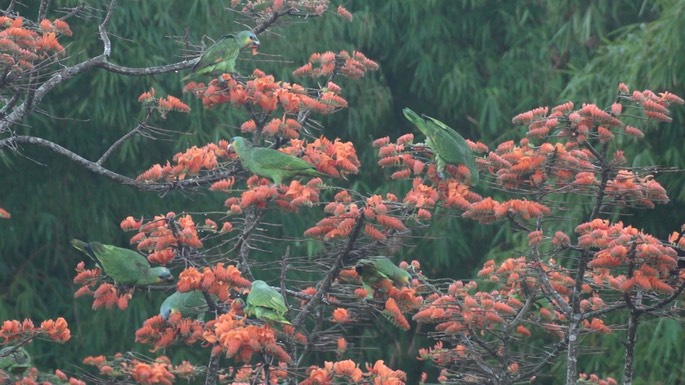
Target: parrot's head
[165, 312]
[363, 266]
[162, 274]
[248, 39]
[238, 144]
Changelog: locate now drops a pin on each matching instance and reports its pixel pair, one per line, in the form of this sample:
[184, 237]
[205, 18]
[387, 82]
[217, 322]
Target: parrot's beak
[229, 148]
[255, 47]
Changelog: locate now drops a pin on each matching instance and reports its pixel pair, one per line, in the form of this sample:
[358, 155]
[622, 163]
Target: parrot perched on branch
[14, 360]
[125, 266]
[374, 270]
[221, 56]
[266, 303]
[270, 163]
[447, 145]
[189, 303]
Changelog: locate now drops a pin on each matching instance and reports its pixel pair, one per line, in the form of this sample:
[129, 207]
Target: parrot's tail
[84, 248]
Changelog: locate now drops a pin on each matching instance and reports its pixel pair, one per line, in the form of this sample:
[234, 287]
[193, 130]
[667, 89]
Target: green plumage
[447, 145]
[14, 360]
[373, 270]
[188, 304]
[266, 303]
[221, 56]
[125, 266]
[270, 163]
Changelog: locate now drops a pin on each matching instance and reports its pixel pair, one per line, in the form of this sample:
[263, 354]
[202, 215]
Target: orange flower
[57, 330]
[341, 315]
[130, 223]
[342, 345]
[348, 368]
[344, 13]
[149, 374]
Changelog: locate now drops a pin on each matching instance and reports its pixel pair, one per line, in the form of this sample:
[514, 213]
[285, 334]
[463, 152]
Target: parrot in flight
[14, 360]
[270, 163]
[266, 303]
[189, 303]
[221, 56]
[445, 143]
[125, 266]
[374, 270]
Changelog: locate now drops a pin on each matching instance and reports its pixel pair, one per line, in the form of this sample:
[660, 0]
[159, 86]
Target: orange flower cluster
[629, 189]
[298, 195]
[34, 377]
[163, 105]
[354, 65]
[335, 158]
[585, 379]
[349, 373]
[286, 127]
[334, 372]
[656, 107]
[443, 356]
[4, 214]
[261, 191]
[525, 167]
[13, 330]
[220, 281]
[621, 245]
[56, 26]
[341, 316]
[378, 209]
[159, 371]
[590, 121]
[393, 313]
[344, 13]
[189, 163]
[241, 341]
[488, 210]
[105, 294]
[394, 155]
[22, 47]
[160, 333]
[343, 216]
[266, 94]
[380, 374]
[161, 236]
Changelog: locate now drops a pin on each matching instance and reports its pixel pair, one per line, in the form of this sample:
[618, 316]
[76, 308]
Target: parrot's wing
[389, 270]
[263, 313]
[187, 303]
[263, 295]
[125, 266]
[226, 49]
[451, 146]
[268, 158]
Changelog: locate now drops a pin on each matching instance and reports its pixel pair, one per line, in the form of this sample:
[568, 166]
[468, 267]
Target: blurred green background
[472, 64]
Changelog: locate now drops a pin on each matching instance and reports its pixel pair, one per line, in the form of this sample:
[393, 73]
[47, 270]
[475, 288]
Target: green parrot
[266, 303]
[373, 270]
[188, 304]
[447, 145]
[221, 56]
[270, 163]
[14, 360]
[125, 266]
